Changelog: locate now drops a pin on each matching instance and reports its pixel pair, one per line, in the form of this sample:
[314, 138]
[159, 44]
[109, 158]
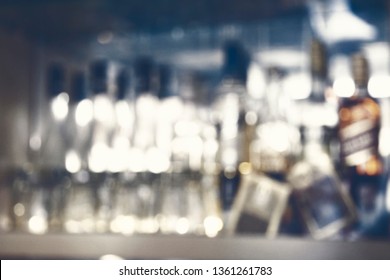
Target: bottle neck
[361, 90]
[318, 88]
[313, 142]
[276, 103]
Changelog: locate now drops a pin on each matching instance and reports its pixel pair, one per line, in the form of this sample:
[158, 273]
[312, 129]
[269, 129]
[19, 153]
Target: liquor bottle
[79, 209]
[276, 143]
[126, 204]
[320, 199]
[124, 212]
[100, 158]
[124, 123]
[170, 112]
[229, 109]
[47, 180]
[79, 124]
[146, 106]
[181, 206]
[143, 148]
[101, 87]
[173, 156]
[209, 178]
[263, 194]
[359, 127]
[325, 206]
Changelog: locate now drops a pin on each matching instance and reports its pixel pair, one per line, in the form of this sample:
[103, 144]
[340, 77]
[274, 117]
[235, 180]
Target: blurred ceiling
[62, 20]
[77, 18]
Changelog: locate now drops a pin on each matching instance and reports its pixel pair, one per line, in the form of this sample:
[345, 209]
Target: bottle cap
[78, 87]
[236, 61]
[168, 82]
[98, 76]
[123, 84]
[55, 79]
[144, 74]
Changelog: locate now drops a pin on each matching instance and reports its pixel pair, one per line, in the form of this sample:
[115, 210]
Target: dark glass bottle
[359, 125]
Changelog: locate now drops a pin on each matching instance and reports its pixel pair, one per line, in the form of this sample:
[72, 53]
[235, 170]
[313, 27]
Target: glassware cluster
[147, 147]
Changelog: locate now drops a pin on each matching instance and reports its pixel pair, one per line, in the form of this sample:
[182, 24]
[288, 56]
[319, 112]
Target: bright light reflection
[87, 225]
[171, 108]
[344, 87]
[72, 162]
[72, 226]
[274, 136]
[84, 112]
[146, 104]
[184, 128]
[384, 142]
[148, 225]
[229, 156]
[119, 154]
[137, 160]
[298, 85]
[123, 224]
[103, 109]
[182, 226]
[256, 81]
[35, 142]
[195, 147]
[19, 209]
[110, 257]
[59, 106]
[157, 160]
[37, 225]
[212, 225]
[123, 113]
[379, 86]
[100, 153]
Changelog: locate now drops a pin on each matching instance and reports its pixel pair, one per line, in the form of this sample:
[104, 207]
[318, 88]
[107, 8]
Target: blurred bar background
[202, 123]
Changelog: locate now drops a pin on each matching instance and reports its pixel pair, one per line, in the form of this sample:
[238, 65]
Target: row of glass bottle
[157, 157]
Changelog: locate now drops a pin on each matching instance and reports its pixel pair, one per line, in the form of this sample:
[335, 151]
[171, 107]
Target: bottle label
[271, 162]
[259, 206]
[324, 206]
[359, 141]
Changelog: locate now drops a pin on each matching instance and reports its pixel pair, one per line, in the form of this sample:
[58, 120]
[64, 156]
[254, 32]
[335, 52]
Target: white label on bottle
[358, 141]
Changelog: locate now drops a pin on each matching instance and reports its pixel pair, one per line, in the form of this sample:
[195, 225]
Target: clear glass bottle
[203, 192]
[124, 212]
[101, 161]
[79, 210]
[276, 144]
[39, 195]
[263, 195]
[143, 149]
[325, 206]
[181, 204]
[229, 108]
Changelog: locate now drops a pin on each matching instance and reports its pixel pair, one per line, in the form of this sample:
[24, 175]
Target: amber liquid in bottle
[359, 124]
